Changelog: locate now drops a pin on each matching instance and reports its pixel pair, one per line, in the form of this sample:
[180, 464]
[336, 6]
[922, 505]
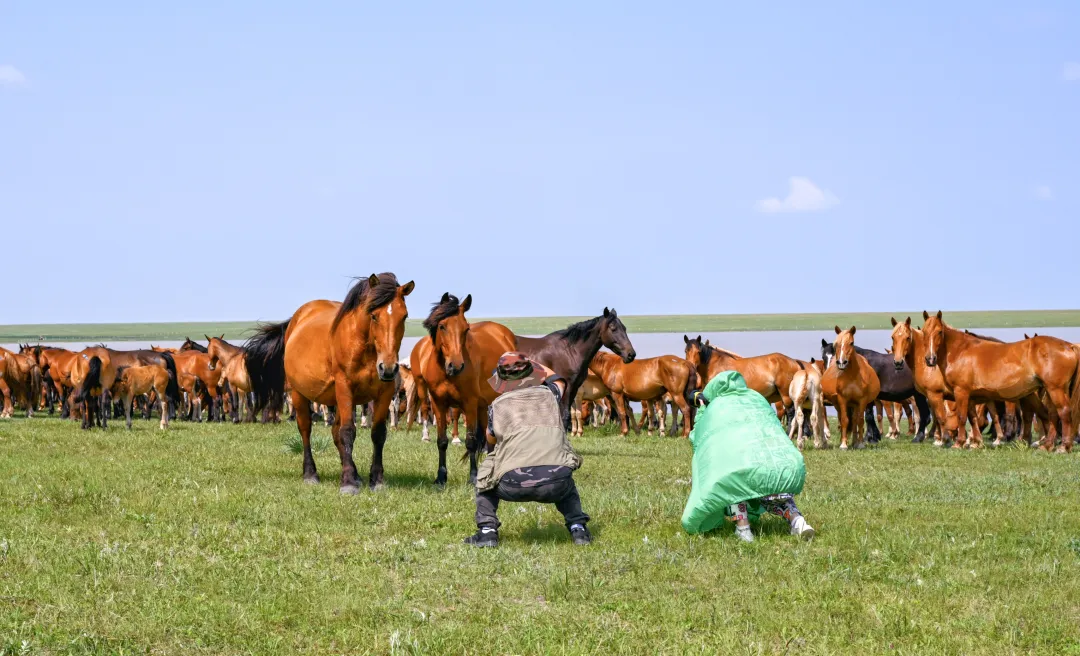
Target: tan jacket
[529, 432]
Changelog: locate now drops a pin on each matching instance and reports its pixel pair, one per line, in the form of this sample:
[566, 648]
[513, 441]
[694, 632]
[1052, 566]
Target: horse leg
[873, 434]
[127, 409]
[380, 413]
[623, 410]
[860, 413]
[684, 407]
[303, 424]
[164, 423]
[842, 410]
[963, 401]
[441, 439]
[995, 421]
[455, 420]
[346, 423]
[1059, 400]
[922, 414]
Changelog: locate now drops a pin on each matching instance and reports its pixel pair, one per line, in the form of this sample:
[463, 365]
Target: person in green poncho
[744, 464]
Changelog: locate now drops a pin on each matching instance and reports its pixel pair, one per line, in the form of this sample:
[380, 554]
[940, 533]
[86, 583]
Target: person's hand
[700, 400]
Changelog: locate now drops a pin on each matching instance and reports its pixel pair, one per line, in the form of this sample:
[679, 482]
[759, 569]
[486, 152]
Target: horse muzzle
[841, 364]
[386, 374]
[931, 361]
[454, 369]
[629, 357]
[899, 364]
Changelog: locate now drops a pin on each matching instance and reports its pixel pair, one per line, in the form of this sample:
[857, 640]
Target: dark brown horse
[989, 371]
[455, 363]
[340, 354]
[568, 352]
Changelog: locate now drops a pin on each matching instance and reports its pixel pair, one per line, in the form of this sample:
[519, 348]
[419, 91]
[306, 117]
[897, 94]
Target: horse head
[449, 331]
[384, 301]
[903, 342]
[844, 347]
[613, 335]
[934, 333]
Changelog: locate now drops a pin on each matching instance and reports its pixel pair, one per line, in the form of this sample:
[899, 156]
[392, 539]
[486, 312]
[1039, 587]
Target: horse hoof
[939, 443]
[378, 487]
[456, 442]
[996, 443]
[425, 439]
[313, 480]
[1061, 449]
[843, 447]
[350, 490]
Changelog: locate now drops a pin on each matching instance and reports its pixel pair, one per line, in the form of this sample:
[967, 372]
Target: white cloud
[803, 196]
[1044, 192]
[1071, 72]
[9, 75]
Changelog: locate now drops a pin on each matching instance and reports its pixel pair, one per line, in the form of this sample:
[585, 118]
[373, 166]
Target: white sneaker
[744, 533]
[801, 529]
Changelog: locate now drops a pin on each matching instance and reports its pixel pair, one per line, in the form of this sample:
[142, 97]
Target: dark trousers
[539, 484]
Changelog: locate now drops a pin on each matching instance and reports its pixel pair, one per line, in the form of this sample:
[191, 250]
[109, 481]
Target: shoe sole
[808, 534]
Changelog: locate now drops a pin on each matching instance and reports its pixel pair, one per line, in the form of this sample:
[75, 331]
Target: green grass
[204, 540]
[674, 323]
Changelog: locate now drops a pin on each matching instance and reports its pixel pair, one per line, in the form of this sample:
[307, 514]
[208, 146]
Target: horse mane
[579, 331]
[372, 298]
[983, 337]
[447, 307]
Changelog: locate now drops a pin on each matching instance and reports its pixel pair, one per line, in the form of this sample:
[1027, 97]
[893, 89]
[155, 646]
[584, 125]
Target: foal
[136, 381]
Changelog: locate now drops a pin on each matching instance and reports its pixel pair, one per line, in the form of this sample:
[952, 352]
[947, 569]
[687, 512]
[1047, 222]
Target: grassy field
[204, 540]
[542, 325]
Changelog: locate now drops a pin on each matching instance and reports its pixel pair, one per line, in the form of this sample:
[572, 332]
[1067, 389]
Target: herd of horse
[330, 358]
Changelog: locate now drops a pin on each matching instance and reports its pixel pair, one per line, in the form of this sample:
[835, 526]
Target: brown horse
[92, 373]
[136, 381]
[849, 384]
[196, 378]
[57, 362]
[592, 390]
[455, 363]
[647, 379]
[768, 375]
[340, 354]
[230, 358]
[989, 371]
[20, 379]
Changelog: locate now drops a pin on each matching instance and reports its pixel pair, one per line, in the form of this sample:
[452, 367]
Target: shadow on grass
[550, 534]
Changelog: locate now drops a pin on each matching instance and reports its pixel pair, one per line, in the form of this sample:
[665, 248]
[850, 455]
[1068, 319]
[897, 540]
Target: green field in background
[671, 323]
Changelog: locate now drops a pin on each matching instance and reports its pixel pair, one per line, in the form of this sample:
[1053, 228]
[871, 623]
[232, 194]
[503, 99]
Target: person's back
[532, 459]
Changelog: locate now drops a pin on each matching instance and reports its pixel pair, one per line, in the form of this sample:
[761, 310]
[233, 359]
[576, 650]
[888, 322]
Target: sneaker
[801, 529]
[483, 538]
[580, 535]
[744, 533]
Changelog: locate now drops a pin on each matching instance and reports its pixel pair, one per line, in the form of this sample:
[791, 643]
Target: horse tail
[1074, 404]
[172, 388]
[92, 380]
[35, 386]
[264, 357]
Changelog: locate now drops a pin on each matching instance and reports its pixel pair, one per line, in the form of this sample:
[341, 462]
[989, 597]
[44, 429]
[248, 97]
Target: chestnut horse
[989, 371]
[592, 390]
[768, 375]
[455, 362]
[138, 380]
[231, 359]
[57, 362]
[569, 352]
[340, 354]
[850, 385]
[647, 379]
[20, 379]
[92, 374]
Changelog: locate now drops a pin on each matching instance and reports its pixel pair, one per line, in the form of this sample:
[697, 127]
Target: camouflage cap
[516, 370]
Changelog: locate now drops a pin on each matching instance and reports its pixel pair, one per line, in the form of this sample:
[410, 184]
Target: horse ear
[466, 304]
[445, 297]
[939, 314]
[373, 280]
[698, 339]
[707, 343]
[812, 360]
[823, 342]
[837, 328]
[222, 338]
[853, 331]
[907, 322]
[1026, 336]
[685, 339]
[607, 312]
[925, 315]
[407, 288]
[208, 338]
[893, 321]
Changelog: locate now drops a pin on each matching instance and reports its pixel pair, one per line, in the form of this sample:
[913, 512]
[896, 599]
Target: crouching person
[532, 459]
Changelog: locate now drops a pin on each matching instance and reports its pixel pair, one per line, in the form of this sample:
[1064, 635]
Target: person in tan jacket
[532, 459]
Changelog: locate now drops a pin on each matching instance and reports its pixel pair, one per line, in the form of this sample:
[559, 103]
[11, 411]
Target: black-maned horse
[897, 384]
[568, 352]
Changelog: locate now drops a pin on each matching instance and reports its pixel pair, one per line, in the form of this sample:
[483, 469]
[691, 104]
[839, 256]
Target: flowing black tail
[172, 389]
[264, 355]
[92, 380]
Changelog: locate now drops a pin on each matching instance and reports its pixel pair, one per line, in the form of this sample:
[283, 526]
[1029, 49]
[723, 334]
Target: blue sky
[192, 161]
